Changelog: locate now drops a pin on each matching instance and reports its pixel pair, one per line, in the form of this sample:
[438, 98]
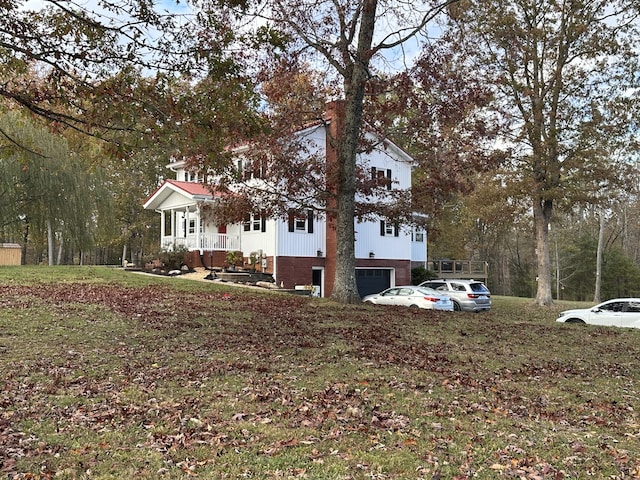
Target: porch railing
[475, 269]
[217, 241]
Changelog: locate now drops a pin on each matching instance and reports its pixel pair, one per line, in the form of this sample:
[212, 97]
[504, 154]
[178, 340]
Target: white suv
[467, 295]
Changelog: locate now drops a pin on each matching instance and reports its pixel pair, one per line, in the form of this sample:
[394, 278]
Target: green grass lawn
[111, 374]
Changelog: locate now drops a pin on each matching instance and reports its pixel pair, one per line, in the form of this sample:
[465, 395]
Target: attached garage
[372, 280]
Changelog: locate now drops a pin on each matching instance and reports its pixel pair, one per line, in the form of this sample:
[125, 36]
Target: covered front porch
[184, 227]
[183, 223]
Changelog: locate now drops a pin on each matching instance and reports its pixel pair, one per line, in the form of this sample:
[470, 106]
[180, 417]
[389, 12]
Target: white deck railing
[216, 241]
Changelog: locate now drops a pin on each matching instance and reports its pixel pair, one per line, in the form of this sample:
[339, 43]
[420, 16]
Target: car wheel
[457, 307]
[575, 320]
[414, 306]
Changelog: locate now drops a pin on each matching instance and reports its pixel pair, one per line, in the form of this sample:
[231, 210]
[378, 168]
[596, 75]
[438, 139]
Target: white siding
[368, 239]
[301, 244]
[254, 241]
[418, 251]
[400, 171]
[178, 201]
[317, 139]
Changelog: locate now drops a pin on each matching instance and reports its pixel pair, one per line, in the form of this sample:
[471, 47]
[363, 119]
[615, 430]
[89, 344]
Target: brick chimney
[334, 118]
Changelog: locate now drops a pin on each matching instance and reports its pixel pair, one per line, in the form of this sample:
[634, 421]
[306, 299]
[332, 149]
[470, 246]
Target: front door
[316, 281]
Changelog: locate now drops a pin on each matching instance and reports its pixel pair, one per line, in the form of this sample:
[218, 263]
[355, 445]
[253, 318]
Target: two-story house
[300, 249]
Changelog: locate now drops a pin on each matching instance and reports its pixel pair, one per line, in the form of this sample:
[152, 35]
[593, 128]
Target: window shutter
[310, 221]
[374, 173]
[291, 222]
[396, 230]
[389, 179]
[382, 228]
[263, 222]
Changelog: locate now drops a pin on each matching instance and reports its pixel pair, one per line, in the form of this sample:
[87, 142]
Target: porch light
[319, 253]
[371, 254]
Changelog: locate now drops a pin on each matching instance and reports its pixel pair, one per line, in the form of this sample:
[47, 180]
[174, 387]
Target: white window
[388, 229]
[255, 222]
[301, 224]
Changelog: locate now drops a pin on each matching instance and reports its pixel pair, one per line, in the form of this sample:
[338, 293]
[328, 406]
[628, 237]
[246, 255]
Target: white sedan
[619, 312]
[412, 296]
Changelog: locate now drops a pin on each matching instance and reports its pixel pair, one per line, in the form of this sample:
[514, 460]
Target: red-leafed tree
[440, 113]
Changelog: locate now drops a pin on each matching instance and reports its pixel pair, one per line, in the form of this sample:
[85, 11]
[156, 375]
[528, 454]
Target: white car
[412, 296]
[619, 312]
[466, 295]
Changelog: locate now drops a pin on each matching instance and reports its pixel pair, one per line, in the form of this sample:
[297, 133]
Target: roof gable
[181, 192]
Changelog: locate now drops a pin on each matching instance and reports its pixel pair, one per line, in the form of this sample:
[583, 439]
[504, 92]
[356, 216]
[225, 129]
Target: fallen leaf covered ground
[111, 375]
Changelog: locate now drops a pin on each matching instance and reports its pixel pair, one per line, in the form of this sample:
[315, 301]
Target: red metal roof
[194, 191]
[192, 188]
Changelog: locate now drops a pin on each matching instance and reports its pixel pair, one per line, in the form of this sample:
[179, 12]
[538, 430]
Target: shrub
[421, 274]
[173, 259]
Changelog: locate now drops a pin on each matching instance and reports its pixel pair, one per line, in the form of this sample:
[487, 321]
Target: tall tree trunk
[345, 289]
[542, 211]
[25, 240]
[50, 243]
[596, 293]
[558, 272]
[60, 245]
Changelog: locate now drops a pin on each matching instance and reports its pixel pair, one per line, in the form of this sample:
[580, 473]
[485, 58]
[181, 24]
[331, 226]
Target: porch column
[173, 226]
[198, 234]
[162, 229]
[186, 221]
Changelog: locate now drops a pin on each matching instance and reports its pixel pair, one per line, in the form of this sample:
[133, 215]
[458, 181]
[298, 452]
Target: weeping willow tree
[48, 196]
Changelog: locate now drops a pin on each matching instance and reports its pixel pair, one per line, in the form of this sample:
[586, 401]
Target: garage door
[372, 280]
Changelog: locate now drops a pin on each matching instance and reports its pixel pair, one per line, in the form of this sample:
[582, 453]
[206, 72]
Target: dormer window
[248, 169]
[194, 177]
